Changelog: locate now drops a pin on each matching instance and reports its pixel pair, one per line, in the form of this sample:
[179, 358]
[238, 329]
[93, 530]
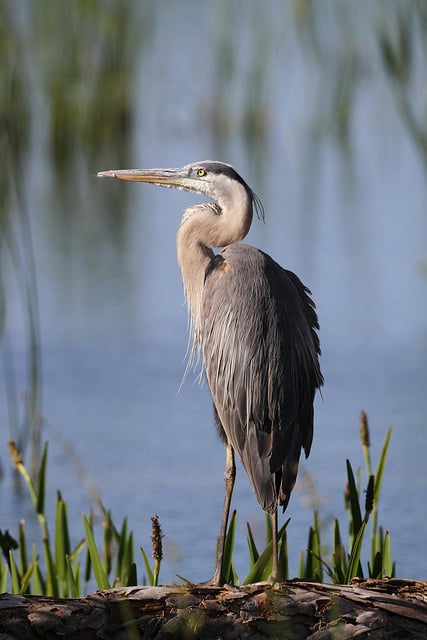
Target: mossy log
[374, 609]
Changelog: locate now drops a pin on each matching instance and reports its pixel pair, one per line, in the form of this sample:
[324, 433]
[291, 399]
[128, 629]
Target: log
[375, 609]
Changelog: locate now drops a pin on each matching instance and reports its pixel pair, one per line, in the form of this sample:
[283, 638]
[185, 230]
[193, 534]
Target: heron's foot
[218, 580]
[218, 577]
[211, 583]
[274, 582]
[215, 584]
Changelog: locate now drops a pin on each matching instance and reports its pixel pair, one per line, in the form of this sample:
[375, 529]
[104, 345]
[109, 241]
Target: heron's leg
[274, 576]
[229, 478]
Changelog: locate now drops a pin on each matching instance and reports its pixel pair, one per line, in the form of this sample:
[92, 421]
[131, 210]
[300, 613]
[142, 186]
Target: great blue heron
[255, 325]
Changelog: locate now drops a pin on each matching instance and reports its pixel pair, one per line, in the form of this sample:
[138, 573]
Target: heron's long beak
[163, 177]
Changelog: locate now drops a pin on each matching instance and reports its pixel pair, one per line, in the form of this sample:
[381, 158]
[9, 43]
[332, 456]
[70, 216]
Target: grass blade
[127, 560]
[339, 556]
[253, 551]
[100, 574]
[301, 565]
[283, 556]
[229, 572]
[316, 550]
[52, 586]
[122, 550]
[148, 569]
[309, 568]
[356, 516]
[262, 567]
[354, 568]
[4, 574]
[72, 580]
[107, 547]
[88, 563]
[132, 576]
[62, 538]
[39, 586]
[387, 566]
[41, 482]
[26, 578]
[15, 581]
[381, 464]
[23, 556]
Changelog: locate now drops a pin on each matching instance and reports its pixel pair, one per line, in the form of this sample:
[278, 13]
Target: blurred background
[322, 107]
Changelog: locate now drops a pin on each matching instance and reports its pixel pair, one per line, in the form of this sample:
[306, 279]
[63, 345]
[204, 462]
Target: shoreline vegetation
[60, 570]
[46, 589]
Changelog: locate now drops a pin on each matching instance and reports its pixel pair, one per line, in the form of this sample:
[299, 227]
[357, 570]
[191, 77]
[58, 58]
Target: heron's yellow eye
[201, 172]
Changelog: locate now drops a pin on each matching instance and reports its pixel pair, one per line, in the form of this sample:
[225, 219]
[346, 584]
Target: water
[352, 224]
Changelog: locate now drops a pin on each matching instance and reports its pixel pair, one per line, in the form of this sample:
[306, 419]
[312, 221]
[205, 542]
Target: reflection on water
[320, 113]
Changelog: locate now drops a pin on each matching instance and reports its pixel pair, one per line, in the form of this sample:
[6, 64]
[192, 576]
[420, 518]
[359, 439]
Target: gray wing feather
[260, 352]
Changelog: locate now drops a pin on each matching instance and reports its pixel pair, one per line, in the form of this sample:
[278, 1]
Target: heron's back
[260, 350]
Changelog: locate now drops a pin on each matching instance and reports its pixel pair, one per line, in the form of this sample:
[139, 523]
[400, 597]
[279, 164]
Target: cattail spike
[156, 539]
[15, 453]
[364, 430]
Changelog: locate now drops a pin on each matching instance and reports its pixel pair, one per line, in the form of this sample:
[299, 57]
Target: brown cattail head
[15, 453]
[364, 430]
[156, 538]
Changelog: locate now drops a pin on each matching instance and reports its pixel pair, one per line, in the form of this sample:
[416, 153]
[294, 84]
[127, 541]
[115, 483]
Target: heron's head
[216, 180]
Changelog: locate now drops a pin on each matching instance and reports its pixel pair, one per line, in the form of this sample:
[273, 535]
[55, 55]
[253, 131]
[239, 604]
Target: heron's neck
[204, 227]
[193, 258]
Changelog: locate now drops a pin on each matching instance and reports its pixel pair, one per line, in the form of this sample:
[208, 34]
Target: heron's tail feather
[285, 466]
[254, 456]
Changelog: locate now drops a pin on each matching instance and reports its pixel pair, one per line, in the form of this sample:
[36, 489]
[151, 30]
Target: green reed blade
[4, 574]
[301, 565]
[388, 566]
[354, 568]
[38, 586]
[356, 516]
[339, 556]
[62, 538]
[41, 482]
[52, 586]
[253, 551]
[23, 556]
[283, 557]
[122, 548]
[77, 550]
[72, 580]
[227, 562]
[100, 574]
[132, 579]
[148, 569]
[314, 569]
[127, 559]
[15, 580]
[26, 578]
[108, 545]
[381, 464]
[262, 568]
